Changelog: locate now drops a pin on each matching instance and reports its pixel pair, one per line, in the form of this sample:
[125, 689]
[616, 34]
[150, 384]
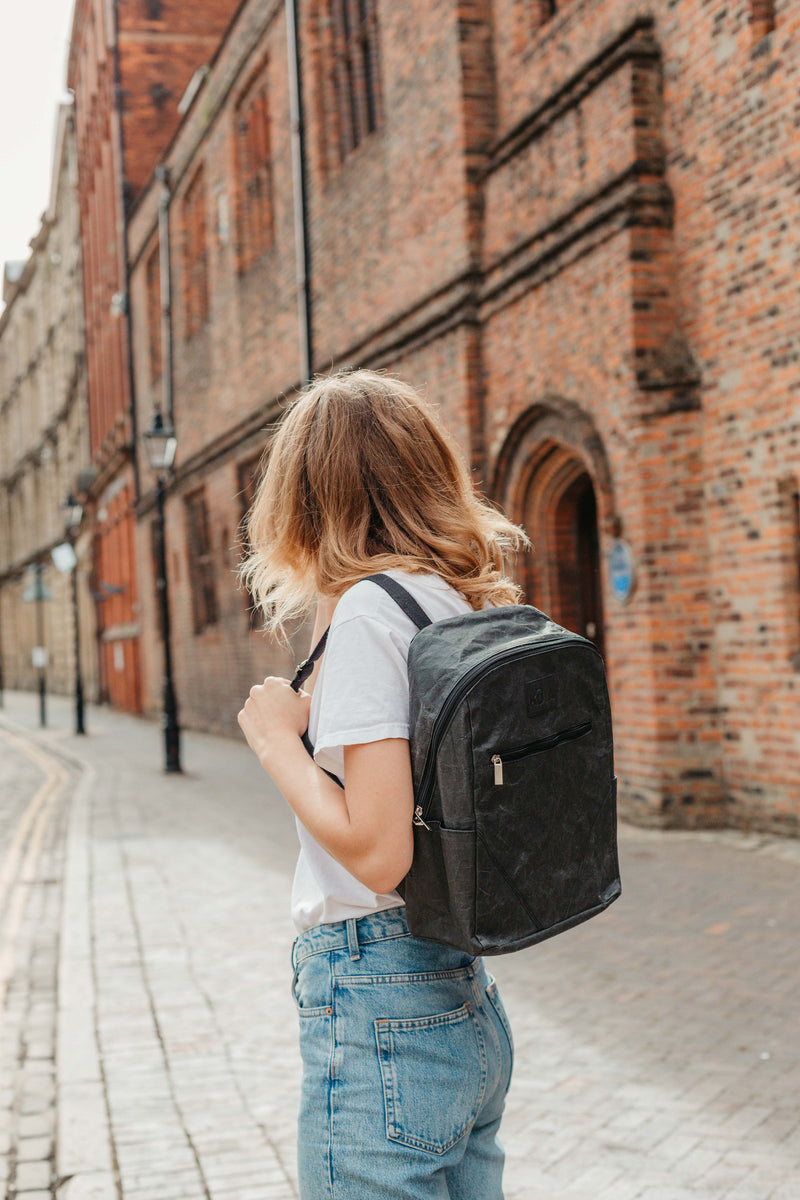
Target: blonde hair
[361, 478]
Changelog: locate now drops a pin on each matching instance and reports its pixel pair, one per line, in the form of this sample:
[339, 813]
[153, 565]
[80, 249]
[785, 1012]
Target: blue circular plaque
[621, 571]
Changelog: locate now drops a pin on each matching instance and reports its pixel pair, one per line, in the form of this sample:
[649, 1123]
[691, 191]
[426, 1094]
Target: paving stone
[640, 1037]
[83, 1135]
[36, 1125]
[89, 1186]
[32, 1175]
[31, 1149]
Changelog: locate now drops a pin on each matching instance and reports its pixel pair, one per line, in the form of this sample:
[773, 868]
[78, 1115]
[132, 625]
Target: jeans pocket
[434, 1075]
[311, 993]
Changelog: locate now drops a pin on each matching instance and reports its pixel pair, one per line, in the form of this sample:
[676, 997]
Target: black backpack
[515, 831]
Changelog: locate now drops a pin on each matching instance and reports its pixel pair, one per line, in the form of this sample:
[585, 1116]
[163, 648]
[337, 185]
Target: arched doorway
[562, 575]
[553, 476]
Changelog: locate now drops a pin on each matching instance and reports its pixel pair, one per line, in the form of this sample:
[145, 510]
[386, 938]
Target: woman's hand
[273, 716]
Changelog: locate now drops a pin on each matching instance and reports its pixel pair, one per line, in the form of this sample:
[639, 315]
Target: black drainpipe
[165, 274]
[299, 179]
[122, 203]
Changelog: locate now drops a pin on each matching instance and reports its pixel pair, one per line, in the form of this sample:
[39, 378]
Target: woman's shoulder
[367, 599]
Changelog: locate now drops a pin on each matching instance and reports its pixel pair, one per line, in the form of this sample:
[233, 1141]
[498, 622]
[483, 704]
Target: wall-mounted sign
[64, 558]
[621, 571]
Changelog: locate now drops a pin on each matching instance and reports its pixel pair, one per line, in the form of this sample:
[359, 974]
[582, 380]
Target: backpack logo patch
[540, 693]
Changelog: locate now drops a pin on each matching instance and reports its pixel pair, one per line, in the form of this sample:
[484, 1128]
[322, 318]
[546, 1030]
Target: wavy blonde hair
[362, 477]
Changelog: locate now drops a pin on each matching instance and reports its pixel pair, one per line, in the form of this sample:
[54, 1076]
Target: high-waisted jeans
[407, 1057]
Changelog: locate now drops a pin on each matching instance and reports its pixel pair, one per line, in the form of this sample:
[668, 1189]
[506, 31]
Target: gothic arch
[553, 421]
[552, 475]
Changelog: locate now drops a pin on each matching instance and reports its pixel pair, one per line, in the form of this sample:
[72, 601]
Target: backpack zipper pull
[418, 817]
[498, 769]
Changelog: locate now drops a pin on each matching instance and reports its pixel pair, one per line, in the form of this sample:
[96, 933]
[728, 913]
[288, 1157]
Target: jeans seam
[483, 1001]
[392, 937]
[408, 978]
[332, 1081]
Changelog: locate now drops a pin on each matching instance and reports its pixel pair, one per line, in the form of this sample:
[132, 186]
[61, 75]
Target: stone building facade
[574, 225]
[44, 444]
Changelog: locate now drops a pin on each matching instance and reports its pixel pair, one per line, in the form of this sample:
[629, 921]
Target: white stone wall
[44, 438]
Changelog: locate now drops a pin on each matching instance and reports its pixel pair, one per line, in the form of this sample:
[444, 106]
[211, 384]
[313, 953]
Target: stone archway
[562, 575]
[552, 476]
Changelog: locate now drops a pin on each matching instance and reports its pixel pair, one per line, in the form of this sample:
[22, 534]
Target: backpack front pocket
[501, 758]
[434, 1075]
[555, 788]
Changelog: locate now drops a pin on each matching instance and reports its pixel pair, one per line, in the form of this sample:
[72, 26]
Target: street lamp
[74, 514]
[160, 445]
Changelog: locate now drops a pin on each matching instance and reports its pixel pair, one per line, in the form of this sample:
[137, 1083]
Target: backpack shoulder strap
[402, 598]
[304, 669]
[302, 673]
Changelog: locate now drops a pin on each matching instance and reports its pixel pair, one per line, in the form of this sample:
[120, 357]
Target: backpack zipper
[453, 700]
[537, 747]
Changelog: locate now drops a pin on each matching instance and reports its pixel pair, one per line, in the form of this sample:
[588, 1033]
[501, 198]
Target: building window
[153, 271]
[248, 476]
[354, 25]
[195, 254]
[254, 225]
[201, 562]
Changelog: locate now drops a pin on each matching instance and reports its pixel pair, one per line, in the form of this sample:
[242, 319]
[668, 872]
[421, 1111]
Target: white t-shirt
[360, 695]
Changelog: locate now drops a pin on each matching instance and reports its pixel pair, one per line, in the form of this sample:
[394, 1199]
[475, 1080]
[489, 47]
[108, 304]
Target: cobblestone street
[148, 1042]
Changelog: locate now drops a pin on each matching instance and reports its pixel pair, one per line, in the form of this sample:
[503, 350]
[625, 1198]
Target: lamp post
[36, 593]
[160, 445]
[41, 594]
[74, 512]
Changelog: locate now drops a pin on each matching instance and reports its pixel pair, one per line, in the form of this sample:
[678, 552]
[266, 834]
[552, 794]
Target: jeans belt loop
[352, 938]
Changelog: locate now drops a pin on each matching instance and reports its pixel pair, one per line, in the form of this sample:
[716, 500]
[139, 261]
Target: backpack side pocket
[440, 887]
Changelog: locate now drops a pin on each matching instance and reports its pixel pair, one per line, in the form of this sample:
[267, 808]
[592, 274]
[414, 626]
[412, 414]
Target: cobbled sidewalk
[148, 1041]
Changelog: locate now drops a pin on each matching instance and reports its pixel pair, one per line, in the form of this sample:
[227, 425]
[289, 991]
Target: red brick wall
[161, 44]
[577, 235]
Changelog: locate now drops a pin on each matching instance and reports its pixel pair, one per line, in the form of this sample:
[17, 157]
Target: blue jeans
[407, 1057]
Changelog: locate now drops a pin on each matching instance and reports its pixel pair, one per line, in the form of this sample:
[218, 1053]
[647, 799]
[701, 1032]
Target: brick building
[44, 442]
[574, 224]
[129, 64]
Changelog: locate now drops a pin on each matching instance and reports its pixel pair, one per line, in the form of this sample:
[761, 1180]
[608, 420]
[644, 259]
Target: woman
[405, 1044]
